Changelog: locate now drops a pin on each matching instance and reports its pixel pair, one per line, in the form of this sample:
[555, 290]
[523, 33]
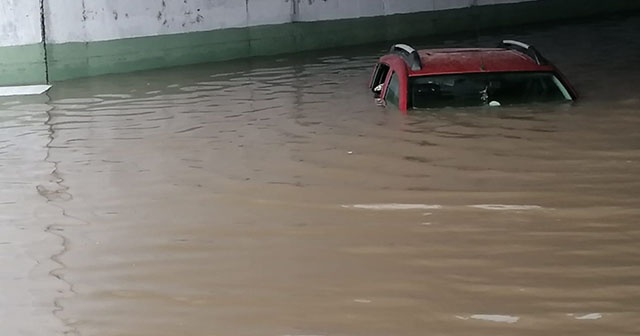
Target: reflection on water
[271, 197]
[29, 240]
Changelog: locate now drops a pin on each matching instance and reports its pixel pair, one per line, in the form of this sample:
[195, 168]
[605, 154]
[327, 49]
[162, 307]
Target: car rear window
[474, 89]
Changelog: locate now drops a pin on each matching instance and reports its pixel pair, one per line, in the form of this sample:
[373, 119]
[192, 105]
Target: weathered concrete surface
[100, 20]
[19, 22]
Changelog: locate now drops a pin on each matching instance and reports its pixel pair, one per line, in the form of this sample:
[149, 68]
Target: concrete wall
[21, 50]
[93, 37]
[19, 22]
[102, 20]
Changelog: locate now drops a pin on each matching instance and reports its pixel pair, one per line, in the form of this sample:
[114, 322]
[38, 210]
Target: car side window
[379, 76]
[392, 96]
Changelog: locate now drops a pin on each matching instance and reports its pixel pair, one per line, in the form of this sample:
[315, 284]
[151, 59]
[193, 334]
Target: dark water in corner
[273, 198]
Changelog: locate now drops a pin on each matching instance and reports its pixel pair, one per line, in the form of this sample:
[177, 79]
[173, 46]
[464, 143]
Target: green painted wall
[24, 64]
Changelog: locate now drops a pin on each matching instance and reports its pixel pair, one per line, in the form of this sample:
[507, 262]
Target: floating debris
[491, 318]
[592, 316]
[505, 207]
[393, 206]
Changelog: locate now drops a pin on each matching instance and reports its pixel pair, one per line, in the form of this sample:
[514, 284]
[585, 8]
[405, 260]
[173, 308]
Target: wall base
[22, 65]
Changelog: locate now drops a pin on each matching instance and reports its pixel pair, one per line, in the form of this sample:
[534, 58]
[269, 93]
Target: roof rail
[525, 49]
[409, 54]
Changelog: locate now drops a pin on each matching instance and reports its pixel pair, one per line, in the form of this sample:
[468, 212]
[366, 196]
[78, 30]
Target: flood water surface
[272, 197]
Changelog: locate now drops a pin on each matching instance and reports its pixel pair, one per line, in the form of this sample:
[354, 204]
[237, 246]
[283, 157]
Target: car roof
[474, 60]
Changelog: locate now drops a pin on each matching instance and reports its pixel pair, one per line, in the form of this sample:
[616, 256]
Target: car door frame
[396, 66]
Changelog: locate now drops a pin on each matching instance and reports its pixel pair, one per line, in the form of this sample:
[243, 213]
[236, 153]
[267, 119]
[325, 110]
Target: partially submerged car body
[512, 73]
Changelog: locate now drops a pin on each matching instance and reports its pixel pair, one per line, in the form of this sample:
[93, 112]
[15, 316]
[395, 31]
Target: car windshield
[493, 89]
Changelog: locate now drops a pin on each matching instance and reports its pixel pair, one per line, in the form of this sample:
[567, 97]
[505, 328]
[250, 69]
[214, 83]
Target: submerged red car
[512, 73]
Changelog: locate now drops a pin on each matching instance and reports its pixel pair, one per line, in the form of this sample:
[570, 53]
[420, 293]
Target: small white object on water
[393, 206]
[362, 301]
[592, 316]
[349, 152]
[505, 207]
[496, 318]
[24, 90]
[494, 103]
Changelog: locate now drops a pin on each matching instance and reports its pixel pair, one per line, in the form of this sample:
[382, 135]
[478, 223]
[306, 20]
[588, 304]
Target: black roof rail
[525, 49]
[409, 54]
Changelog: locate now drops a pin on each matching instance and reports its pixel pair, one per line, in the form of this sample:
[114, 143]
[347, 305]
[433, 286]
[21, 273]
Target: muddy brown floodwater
[272, 197]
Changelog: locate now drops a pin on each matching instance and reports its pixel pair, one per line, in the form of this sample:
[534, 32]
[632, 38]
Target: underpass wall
[21, 49]
[93, 37]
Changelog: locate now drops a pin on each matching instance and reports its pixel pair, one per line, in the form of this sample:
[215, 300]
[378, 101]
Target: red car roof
[473, 60]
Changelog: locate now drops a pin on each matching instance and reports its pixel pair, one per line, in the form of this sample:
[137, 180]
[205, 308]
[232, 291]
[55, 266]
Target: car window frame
[391, 76]
[379, 76]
